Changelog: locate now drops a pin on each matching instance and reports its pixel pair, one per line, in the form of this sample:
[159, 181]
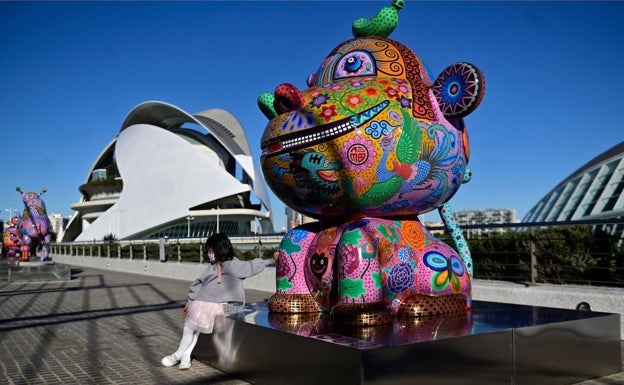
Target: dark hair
[221, 246]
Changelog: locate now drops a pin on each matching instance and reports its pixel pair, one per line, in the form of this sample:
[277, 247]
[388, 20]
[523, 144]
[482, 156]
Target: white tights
[187, 343]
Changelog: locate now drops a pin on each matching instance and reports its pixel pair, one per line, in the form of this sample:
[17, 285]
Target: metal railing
[589, 252]
[180, 249]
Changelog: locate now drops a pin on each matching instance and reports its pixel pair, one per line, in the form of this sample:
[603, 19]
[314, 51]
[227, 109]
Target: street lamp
[189, 219]
[10, 211]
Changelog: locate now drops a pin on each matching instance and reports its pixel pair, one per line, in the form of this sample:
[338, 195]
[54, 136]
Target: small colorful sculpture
[12, 237]
[35, 226]
[373, 143]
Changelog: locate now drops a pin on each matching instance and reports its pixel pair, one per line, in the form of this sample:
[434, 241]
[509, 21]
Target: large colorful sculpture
[34, 226]
[373, 142]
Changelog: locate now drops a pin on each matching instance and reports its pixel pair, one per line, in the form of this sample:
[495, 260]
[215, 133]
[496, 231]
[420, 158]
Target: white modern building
[594, 191]
[172, 174]
[59, 222]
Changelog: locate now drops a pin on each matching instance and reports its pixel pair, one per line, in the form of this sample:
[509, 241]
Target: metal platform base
[14, 271]
[495, 344]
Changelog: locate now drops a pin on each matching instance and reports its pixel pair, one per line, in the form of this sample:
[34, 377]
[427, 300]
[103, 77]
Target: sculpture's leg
[292, 294]
[45, 248]
[25, 253]
[359, 277]
[443, 283]
[25, 248]
[45, 252]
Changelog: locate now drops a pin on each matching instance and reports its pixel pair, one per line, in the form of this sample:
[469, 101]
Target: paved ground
[104, 327]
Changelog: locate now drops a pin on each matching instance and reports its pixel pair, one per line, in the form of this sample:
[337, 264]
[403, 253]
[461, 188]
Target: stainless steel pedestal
[494, 344]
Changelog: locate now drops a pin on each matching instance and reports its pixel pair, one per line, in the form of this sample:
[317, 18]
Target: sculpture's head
[13, 222]
[373, 134]
[33, 201]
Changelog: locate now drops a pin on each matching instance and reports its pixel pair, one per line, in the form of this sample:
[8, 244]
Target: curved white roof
[594, 191]
[164, 174]
[220, 123]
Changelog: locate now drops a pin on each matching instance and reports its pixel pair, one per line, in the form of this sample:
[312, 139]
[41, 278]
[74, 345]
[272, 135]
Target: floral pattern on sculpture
[400, 278]
[373, 143]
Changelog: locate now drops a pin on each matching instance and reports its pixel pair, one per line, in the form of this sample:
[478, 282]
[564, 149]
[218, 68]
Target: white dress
[214, 291]
[200, 315]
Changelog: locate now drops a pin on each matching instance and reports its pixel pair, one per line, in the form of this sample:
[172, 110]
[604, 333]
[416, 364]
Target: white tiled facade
[594, 191]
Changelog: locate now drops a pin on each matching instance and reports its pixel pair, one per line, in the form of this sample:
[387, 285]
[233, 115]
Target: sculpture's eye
[357, 63]
[353, 64]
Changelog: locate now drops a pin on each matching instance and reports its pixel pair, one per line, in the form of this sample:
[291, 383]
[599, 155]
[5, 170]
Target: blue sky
[70, 72]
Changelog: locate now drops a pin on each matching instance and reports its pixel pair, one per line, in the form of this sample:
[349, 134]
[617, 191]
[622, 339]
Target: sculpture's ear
[265, 103]
[459, 89]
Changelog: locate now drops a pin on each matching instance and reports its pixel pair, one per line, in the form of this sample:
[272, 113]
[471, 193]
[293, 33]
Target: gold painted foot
[422, 305]
[293, 303]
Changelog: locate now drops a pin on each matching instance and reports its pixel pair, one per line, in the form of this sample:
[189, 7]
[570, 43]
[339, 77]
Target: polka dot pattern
[427, 305]
[293, 303]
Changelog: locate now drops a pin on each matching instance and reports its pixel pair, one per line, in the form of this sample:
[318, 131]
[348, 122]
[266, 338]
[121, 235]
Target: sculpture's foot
[360, 314]
[293, 320]
[422, 305]
[293, 303]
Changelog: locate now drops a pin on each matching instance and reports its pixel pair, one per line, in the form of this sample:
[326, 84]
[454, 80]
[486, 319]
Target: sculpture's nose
[287, 98]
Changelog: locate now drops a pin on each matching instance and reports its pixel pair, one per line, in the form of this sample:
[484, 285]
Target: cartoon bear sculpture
[370, 145]
[35, 226]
